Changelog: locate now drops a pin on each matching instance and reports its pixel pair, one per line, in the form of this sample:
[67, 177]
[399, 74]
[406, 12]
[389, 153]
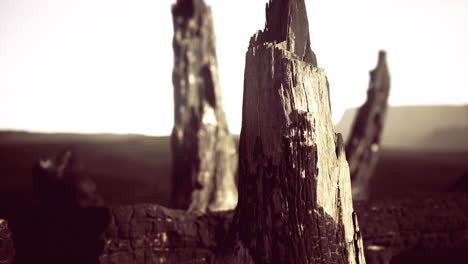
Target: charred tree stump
[362, 148]
[7, 250]
[295, 203]
[204, 153]
[153, 234]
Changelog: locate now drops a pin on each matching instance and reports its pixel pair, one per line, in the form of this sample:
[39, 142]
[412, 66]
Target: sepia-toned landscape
[385, 185]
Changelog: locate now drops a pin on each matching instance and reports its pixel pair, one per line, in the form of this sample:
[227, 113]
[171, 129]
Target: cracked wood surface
[204, 153]
[154, 234]
[295, 203]
[362, 147]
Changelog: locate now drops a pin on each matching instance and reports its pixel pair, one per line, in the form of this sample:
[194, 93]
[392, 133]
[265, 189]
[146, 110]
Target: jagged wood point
[295, 203]
[363, 144]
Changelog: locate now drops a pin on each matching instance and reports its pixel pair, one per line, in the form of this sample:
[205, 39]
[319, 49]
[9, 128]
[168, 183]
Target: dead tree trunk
[362, 148]
[295, 203]
[204, 153]
[7, 251]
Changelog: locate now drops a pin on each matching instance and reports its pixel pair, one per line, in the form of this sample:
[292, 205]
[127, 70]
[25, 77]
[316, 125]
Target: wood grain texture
[362, 147]
[388, 227]
[295, 203]
[204, 153]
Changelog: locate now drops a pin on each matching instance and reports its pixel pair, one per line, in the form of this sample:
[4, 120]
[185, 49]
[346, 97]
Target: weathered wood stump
[204, 153]
[362, 147]
[7, 250]
[295, 203]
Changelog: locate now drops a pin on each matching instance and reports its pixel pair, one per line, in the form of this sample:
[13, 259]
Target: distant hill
[135, 168]
[437, 128]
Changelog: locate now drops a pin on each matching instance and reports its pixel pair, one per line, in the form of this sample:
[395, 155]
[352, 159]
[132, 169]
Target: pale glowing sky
[105, 65]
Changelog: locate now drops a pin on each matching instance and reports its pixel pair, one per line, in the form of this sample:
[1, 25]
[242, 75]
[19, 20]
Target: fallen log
[153, 234]
[204, 153]
[362, 146]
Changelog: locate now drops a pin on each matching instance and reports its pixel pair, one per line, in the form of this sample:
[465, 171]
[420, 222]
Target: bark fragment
[295, 203]
[204, 153]
[362, 148]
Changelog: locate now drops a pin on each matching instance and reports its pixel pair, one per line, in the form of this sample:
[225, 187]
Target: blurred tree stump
[7, 250]
[204, 152]
[62, 184]
[70, 215]
[362, 148]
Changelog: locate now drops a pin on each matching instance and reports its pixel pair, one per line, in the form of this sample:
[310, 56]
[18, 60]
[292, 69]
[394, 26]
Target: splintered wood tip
[382, 56]
[286, 20]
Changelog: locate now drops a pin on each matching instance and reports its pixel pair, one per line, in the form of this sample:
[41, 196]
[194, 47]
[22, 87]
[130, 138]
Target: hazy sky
[106, 65]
